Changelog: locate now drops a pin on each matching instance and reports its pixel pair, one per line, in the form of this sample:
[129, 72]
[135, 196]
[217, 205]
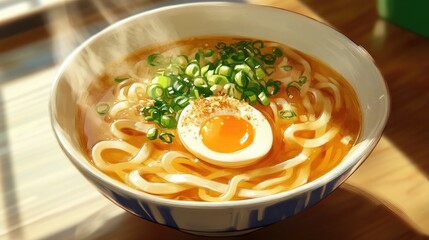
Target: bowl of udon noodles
[218, 118]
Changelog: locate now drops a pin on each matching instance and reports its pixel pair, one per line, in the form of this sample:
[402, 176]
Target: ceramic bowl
[202, 19]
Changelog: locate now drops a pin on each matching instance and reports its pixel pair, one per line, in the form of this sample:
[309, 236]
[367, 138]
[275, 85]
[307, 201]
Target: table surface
[44, 197]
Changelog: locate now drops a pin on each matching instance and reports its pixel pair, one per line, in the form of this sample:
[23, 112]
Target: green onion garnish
[152, 133]
[258, 44]
[260, 73]
[220, 45]
[163, 81]
[208, 53]
[277, 52]
[302, 80]
[269, 58]
[296, 84]
[166, 137]
[273, 87]
[193, 69]
[241, 79]
[155, 90]
[156, 59]
[239, 70]
[180, 60]
[102, 108]
[287, 114]
[118, 80]
[168, 121]
[263, 99]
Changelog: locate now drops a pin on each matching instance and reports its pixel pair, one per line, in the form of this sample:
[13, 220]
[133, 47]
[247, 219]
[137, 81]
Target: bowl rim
[344, 166]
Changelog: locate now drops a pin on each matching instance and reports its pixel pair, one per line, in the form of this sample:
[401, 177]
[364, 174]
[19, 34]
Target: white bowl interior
[178, 22]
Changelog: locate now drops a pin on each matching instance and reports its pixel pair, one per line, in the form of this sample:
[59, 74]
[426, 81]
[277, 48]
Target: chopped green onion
[163, 81]
[273, 87]
[166, 137]
[155, 90]
[243, 67]
[147, 111]
[196, 94]
[193, 69]
[239, 56]
[257, 52]
[250, 97]
[220, 45]
[171, 70]
[180, 87]
[241, 79]
[291, 86]
[156, 59]
[152, 133]
[209, 73]
[287, 114]
[208, 53]
[205, 69]
[170, 91]
[260, 73]
[277, 52]
[269, 59]
[200, 82]
[182, 101]
[223, 70]
[168, 121]
[118, 80]
[258, 44]
[252, 62]
[263, 99]
[302, 80]
[180, 60]
[102, 108]
[217, 79]
[238, 69]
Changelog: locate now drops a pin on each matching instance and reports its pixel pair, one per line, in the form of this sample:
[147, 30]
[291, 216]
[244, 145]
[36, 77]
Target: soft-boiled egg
[225, 131]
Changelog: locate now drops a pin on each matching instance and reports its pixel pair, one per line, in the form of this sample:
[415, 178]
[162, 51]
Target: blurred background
[44, 197]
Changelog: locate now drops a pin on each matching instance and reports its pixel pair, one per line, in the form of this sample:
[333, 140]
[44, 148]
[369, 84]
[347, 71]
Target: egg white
[189, 134]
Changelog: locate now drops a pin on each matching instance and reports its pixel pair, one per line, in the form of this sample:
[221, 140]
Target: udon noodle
[312, 111]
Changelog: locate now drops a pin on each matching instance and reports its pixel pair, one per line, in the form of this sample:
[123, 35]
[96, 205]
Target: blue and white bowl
[202, 19]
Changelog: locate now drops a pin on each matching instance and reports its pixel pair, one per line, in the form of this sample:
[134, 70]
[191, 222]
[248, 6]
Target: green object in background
[413, 14]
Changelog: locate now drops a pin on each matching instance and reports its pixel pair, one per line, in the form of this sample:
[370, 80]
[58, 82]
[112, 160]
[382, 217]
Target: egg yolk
[227, 134]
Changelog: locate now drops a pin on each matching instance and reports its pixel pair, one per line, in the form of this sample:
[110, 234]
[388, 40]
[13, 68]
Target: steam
[70, 28]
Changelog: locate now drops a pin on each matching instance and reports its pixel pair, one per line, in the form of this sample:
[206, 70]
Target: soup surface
[218, 119]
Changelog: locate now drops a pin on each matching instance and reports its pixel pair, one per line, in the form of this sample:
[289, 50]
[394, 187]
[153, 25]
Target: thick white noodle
[318, 99]
[227, 195]
[317, 142]
[118, 125]
[133, 72]
[169, 157]
[119, 107]
[226, 191]
[136, 92]
[307, 105]
[274, 181]
[136, 180]
[317, 125]
[113, 144]
[334, 89]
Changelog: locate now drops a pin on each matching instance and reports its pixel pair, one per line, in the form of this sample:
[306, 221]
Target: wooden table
[44, 197]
